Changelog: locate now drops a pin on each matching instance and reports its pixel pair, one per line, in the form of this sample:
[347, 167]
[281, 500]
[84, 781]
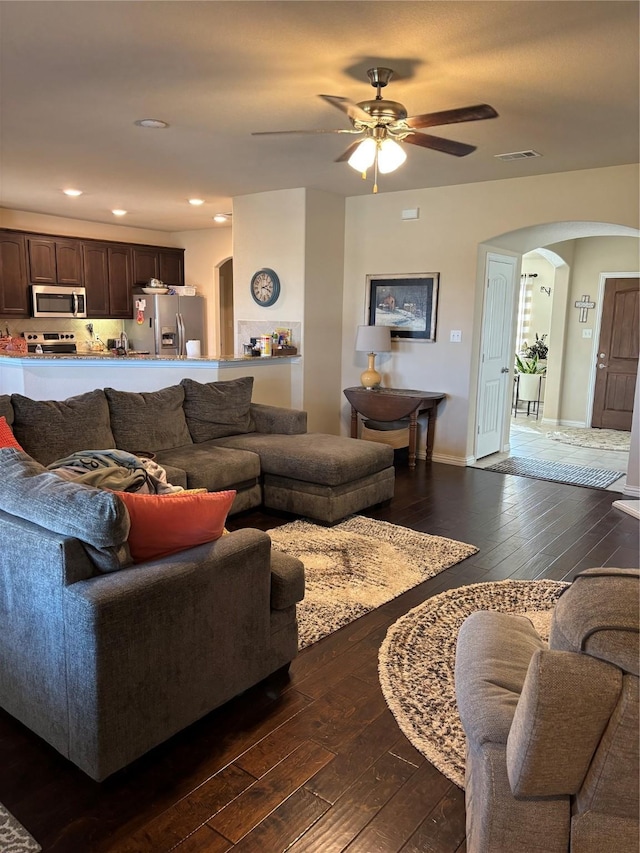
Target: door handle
[601, 366]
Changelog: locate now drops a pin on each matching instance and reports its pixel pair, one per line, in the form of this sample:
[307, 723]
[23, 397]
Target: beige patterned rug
[356, 566]
[417, 660]
[596, 439]
[14, 838]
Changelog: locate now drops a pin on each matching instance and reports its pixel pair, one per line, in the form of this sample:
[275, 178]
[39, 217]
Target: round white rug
[596, 439]
[417, 661]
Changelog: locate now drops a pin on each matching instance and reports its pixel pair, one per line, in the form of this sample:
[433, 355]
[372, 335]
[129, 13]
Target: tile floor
[527, 438]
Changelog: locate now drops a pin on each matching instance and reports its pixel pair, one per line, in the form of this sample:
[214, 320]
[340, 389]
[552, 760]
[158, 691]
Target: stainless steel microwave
[50, 301]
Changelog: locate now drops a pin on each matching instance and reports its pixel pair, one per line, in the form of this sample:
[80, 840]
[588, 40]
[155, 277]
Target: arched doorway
[517, 243]
[225, 308]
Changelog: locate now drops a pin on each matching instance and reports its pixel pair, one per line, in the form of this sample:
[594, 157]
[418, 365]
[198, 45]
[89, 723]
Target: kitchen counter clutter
[132, 354]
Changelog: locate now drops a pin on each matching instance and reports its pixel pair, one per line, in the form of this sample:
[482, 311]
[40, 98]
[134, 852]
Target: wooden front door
[617, 355]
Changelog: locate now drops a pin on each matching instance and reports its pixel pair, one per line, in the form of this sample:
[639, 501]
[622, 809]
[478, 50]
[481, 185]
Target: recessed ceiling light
[196, 201]
[72, 193]
[221, 217]
[151, 122]
[119, 212]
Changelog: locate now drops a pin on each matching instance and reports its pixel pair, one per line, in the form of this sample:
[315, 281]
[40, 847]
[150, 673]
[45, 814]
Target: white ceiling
[563, 77]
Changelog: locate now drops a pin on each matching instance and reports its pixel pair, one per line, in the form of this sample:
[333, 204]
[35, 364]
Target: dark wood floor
[315, 761]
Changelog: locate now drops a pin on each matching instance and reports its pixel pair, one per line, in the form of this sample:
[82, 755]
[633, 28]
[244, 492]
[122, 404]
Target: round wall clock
[265, 287]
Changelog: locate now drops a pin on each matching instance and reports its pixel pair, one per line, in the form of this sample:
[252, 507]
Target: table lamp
[372, 340]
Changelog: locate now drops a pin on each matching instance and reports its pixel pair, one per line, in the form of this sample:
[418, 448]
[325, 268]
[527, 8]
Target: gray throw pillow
[151, 420]
[97, 518]
[6, 409]
[217, 409]
[52, 429]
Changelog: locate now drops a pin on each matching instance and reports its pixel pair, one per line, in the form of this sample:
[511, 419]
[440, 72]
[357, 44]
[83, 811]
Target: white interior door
[496, 358]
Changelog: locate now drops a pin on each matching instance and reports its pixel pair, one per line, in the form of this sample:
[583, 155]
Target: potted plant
[530, 378]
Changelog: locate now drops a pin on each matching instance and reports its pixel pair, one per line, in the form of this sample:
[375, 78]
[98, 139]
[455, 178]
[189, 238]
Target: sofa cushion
[330, 460]
[97, 518]
[51, 429]
[165, 524]
[210, 467]
[6, 409]
[216, 409]
[150, 420]
[7, 438]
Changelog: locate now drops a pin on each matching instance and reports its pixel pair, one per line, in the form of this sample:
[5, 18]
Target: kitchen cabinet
[14, 286]
[107, 277]
[54, 261]
[165, 264]
[107, 269]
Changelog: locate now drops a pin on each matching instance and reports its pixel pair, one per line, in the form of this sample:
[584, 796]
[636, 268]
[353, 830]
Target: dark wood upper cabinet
[172, 267]
[107, 277]
[146, 265]
[14, 290]
[96, 278]
[120, 281]
[54, 261]
[165, 264]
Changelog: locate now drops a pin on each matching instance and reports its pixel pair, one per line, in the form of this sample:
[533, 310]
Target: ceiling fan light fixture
[391, 156]
[364, 156]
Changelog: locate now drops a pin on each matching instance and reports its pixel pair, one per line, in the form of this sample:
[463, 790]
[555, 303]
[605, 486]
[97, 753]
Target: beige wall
[300, 234]
[457, 225]
[587, 259]
[205, 251]
[41, 223]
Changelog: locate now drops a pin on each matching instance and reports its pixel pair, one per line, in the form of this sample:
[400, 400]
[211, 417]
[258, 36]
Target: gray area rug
[14, 838]
[356, 566]
[417, 660]
[557, 472]
[596, 439]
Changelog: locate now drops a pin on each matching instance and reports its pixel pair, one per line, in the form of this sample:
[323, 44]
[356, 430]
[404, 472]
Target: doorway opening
[225, 308]
[571, 256]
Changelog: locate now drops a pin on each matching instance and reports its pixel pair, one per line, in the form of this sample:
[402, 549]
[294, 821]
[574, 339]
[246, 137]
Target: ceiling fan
[383, 124]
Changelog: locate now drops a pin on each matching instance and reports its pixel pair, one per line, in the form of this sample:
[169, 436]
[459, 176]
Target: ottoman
[324, 477]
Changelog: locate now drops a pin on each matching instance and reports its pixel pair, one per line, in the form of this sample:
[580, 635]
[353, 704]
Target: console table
[393, 404]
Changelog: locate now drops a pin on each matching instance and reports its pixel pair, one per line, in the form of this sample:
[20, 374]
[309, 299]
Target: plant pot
[529, 386]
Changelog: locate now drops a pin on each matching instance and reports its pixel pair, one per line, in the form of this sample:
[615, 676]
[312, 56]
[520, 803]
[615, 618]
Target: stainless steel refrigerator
[168, 322]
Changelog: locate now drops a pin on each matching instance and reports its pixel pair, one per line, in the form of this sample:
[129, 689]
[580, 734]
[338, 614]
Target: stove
[51, 342]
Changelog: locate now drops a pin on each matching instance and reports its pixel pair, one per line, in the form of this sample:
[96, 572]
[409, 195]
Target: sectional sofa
[106, 657]
[210, 435]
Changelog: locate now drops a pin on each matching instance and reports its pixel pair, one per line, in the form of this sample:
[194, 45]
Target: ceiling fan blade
[348, 152]
[352, 110]
[437, 143]
[283, 132]
[480, 111]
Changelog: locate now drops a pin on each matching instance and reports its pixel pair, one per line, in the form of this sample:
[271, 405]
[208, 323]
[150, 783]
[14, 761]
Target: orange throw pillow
[7, 438]
[165, 524]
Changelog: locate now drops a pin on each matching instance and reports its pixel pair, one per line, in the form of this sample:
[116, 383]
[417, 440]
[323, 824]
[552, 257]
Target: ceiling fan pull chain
[375, 173]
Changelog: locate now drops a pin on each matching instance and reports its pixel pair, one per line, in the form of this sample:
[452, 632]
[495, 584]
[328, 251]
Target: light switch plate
[587, 333]
[455, 336]
[411, 213]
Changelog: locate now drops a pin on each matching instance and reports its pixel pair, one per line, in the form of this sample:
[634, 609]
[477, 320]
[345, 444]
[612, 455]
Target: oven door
[49, 301]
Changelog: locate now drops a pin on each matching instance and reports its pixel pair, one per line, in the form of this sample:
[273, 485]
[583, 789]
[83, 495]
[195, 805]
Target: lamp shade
[373, 339]
[364, 155]
[390, 156]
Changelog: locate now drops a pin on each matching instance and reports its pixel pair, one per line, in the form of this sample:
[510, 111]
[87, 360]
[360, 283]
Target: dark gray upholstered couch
[210, 435]
[552, 731]
[104, 659]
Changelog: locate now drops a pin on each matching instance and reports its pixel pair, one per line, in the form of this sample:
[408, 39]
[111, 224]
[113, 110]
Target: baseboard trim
[461, 461]
[632, 491]
[630, 507]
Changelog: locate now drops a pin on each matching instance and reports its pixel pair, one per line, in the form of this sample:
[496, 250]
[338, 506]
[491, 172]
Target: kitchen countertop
[136, 358]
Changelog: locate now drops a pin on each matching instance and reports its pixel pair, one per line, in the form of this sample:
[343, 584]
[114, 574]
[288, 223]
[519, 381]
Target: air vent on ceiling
[518, 155]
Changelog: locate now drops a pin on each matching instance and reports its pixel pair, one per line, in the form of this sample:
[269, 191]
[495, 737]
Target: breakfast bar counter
[277, 379]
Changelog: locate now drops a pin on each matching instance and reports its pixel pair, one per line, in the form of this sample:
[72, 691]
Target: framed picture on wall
[406, 303]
